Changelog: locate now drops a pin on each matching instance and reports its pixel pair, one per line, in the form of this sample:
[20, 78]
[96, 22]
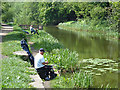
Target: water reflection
[86, 46]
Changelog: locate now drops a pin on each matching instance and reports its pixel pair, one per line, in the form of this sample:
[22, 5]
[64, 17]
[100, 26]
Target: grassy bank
[65, 61]
[91, 28]
[15, 72]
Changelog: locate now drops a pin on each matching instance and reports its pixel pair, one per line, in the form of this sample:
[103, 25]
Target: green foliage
[15, 73]
[98, 13]
[76, 80]
[23, 14]
[63, 58]
[7, 12]
[113, 16]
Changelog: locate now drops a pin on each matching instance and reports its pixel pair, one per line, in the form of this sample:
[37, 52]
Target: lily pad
[100, 64]
[87, 67]
[112, 61]
[116, 63]
[106, 65]
[101, 70]
[84, 60]
[92, 65]
[94, 68]
[108, 68]
[116, 70]
[92, 73]
[98, 74]
[87, 71]
[84, 67]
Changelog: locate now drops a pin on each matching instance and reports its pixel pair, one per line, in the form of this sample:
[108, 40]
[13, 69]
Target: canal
[92, 48]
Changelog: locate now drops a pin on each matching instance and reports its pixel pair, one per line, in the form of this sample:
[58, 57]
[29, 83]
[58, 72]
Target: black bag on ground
[26, 48]
[31, 58]
[24, 45]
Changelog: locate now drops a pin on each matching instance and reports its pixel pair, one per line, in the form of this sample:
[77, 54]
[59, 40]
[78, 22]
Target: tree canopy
[52, 13]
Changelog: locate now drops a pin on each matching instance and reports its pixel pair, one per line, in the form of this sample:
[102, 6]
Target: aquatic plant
[100, 65]
[76, 80]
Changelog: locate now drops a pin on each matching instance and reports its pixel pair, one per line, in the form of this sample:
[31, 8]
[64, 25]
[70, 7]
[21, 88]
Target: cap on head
[41, 49]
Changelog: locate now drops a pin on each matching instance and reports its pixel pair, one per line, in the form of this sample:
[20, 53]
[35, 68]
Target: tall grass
[91, 27]
[76, 80]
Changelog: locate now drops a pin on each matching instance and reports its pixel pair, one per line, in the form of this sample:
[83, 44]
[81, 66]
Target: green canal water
[93, 49]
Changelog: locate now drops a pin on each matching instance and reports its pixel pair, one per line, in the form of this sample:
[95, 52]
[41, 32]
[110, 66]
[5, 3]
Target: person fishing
[32, 29]
[45, 71]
